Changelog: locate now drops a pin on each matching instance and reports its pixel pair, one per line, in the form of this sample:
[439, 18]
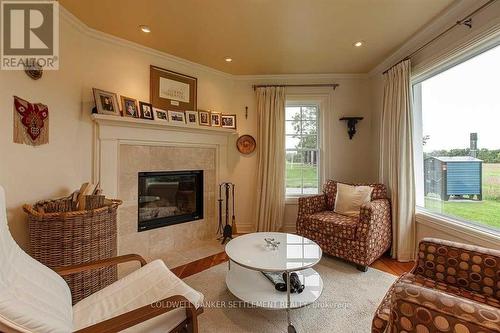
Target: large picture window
[302, 152]
[457, 117]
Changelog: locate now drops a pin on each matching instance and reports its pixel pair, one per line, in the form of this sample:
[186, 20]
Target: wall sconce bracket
[351, 125]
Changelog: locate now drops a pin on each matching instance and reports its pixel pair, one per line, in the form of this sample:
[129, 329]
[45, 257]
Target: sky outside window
[462, 100]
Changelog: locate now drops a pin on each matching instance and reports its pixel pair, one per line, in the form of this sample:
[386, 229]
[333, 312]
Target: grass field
[486, 212]
[294, 172]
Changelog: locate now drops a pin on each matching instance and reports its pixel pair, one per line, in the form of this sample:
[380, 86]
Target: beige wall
[90, 59]
[56, 169]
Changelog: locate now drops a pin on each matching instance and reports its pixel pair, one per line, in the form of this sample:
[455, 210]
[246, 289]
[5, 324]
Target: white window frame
[424, 216]
[297, 103]
[324, 99]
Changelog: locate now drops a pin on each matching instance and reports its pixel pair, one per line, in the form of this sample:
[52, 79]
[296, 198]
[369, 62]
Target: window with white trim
[457, 141]
[302, 149]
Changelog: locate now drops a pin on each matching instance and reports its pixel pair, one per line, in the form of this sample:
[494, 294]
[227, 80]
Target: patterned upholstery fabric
[312, 204]
[465, 266]
[453, 288]
[330, 189]
[360, 240]
[333, 224]
[383, 312]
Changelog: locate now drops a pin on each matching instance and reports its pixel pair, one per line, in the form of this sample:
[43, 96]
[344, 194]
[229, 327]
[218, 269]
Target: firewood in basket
[84, 191]
[94, 201]
[98, 189]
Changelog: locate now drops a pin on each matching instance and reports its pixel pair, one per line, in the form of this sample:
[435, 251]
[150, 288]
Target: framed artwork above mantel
[171, 90]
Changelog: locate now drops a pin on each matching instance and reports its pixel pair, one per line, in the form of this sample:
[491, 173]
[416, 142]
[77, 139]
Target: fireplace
[167, 198]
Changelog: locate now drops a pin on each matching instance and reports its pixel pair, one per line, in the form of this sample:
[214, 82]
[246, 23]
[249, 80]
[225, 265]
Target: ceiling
[265, 36]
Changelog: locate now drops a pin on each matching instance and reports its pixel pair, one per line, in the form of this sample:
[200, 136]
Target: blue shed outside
[456, 176]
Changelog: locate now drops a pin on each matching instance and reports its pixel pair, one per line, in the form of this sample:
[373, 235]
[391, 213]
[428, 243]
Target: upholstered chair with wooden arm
[34, 298]
[359, 239]
[453, 288]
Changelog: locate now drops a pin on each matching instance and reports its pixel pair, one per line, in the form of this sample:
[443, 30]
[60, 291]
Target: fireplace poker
[228, 230]
[227, 186]
[219, 228]
[233, 222]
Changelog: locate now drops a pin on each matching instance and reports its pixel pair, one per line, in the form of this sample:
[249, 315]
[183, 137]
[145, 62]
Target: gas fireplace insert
[170, 197]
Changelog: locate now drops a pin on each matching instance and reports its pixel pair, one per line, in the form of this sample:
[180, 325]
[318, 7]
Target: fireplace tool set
[227, 227]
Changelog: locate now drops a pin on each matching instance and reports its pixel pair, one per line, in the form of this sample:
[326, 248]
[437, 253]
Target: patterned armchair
[453, 288]
[359, 240]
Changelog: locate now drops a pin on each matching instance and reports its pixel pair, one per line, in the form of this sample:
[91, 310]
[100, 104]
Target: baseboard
[246, 228]
[289, 229]
[243, 228]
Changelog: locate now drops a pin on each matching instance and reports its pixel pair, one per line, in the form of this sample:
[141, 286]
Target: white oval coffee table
[249, 256]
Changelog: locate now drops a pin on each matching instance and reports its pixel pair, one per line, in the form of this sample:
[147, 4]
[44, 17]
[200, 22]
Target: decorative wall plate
[246, 144]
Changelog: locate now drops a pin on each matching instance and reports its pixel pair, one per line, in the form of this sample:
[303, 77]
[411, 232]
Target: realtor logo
[29, 35]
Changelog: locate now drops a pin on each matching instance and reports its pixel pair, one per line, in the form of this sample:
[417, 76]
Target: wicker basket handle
[28, 209]
[110, 204]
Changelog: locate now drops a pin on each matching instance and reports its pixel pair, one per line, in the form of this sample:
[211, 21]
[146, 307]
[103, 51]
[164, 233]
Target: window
[302, 152]
[457, 118]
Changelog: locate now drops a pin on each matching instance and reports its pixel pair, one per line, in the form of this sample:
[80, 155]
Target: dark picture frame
[170, 90]
[215, 118]
[146, 110]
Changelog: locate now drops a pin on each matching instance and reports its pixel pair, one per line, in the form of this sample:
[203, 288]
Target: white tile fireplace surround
[125, 147]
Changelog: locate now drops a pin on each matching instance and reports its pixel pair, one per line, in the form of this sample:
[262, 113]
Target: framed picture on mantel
[171, 90]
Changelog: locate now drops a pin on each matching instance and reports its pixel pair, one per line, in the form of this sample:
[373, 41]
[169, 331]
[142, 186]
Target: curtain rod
[333, 85]
[467, 21]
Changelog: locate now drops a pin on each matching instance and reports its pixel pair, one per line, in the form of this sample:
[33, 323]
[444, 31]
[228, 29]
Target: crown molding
[441, 22]
[79, 25]
[299, 77]
[67, 16]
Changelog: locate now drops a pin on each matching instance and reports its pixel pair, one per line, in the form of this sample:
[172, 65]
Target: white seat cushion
[33, 298]
[149, 284]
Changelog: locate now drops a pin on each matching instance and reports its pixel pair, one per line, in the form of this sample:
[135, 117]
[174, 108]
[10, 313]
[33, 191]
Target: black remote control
[295, 285]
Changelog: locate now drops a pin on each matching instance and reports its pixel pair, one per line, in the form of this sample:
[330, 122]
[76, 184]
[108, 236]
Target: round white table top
[293, 253]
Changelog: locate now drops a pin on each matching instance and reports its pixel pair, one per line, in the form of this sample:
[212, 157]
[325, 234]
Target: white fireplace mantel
[112, 131]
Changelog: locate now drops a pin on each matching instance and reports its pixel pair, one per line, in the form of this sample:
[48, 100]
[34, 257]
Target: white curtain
[271, 158]
[396, 158]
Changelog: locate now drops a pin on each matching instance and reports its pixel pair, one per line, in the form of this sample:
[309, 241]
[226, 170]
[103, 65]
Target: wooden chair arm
[142, 314]
[68, 270]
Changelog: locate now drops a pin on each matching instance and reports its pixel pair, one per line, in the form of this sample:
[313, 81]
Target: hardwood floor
[392, 266]
[385, 264]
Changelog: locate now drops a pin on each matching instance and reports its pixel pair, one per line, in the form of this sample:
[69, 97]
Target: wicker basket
[60, 236]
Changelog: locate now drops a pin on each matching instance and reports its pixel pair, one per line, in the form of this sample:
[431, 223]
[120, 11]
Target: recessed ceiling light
[359, 43]
[145, 28]
[228, 59]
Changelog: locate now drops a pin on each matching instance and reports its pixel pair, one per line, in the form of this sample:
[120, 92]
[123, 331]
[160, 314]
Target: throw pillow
[350, 198]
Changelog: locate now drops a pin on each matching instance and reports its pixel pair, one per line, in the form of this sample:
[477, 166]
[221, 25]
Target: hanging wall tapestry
[31, 122]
